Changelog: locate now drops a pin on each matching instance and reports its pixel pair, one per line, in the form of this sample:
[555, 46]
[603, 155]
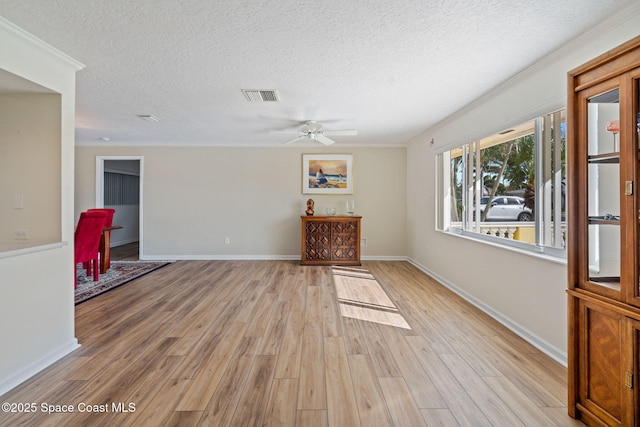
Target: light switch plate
[18, 201]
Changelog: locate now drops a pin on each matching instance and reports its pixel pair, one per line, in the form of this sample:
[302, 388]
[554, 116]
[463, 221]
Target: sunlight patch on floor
[360, 296]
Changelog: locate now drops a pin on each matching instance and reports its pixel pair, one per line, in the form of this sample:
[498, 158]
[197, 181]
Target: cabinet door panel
[344, 245]
[317, 240]
[601, 362]
[634, 371]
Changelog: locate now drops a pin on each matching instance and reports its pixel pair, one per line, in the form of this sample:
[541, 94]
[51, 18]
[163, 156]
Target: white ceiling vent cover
[260, 95]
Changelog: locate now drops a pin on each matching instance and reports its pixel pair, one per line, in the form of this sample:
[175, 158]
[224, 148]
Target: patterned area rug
[120, 273]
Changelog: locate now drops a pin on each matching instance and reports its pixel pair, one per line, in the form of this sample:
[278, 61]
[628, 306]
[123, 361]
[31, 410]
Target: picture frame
[327, 174]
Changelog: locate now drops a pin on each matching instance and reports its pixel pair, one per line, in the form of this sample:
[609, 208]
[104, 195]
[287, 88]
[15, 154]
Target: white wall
[127, 217]
[194, 197]
[36, 285]
[29, 157]
[525, 292]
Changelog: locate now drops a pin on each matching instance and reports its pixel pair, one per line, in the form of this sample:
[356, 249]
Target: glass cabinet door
[603, 183]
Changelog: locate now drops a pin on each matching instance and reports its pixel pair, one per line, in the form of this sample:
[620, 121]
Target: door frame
[100, 192]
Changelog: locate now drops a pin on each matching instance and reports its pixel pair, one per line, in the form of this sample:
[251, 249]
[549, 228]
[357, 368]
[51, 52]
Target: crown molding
[34, 42]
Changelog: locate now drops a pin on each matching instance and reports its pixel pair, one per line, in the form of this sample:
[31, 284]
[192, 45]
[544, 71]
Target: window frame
[545, 152]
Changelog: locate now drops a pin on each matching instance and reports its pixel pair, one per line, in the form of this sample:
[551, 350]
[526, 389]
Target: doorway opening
[119, 185]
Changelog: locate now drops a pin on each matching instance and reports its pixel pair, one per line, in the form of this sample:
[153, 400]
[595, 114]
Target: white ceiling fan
[310, 129]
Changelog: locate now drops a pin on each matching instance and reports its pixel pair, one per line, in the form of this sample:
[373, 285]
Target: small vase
[351, 207]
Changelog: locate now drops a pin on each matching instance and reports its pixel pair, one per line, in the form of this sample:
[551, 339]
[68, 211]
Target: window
[509, 187]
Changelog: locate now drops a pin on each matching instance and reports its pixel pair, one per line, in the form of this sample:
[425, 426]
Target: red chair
[105, 241]
[87, 241]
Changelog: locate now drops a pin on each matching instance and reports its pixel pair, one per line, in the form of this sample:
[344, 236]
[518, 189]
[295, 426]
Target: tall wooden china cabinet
[604, 228]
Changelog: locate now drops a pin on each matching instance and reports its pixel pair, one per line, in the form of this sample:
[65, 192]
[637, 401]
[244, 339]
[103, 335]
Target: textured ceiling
[389, 69]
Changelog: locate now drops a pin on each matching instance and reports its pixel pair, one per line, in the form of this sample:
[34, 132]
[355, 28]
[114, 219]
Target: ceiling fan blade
[286, 131]
[324, 139]
[341, 132]
[291, 141]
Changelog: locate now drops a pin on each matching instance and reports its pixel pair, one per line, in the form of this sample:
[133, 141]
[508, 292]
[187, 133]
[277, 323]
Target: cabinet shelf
[612, 282]
[605, 158]
[603, 220]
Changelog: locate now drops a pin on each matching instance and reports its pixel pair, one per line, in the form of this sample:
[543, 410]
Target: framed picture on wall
[327, 174]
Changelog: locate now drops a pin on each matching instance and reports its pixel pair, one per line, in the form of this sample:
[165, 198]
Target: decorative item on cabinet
[310, 207]
[351, 207]
[613, 126]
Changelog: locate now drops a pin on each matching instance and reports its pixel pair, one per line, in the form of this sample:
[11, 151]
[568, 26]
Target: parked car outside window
[506, 208]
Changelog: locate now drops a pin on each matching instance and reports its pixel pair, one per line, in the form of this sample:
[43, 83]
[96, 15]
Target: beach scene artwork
[327, 174]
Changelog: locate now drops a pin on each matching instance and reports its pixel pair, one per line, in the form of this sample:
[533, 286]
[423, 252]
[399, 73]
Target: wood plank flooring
[265, 343]
[127, 252]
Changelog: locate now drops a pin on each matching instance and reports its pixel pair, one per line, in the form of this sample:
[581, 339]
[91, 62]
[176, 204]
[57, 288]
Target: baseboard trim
[123, 242]
[219, 257]
[251, 258]
[383, 258]
[535, 340]
[34, 368]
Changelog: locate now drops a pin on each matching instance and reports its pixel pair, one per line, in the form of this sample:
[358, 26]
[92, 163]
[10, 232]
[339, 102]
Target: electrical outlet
[363, 241]
[22, 234]
[227, 241]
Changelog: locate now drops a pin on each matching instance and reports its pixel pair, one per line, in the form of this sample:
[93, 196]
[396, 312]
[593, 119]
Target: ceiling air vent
[258, 95]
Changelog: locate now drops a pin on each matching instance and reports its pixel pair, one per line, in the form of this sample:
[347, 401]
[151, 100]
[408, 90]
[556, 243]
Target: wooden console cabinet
[603, 253]
[330, 240]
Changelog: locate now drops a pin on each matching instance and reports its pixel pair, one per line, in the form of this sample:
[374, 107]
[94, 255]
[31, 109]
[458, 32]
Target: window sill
[546, 253]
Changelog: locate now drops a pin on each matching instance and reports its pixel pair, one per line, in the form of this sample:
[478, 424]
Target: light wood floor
[128, 252]
[244, 343]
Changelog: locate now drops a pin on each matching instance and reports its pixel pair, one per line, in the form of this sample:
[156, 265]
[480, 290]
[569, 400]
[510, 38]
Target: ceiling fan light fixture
[313, 130]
